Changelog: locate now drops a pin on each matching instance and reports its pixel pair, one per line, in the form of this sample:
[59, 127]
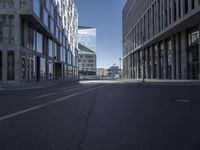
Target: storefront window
[193, 54]
[39, 42]
[1, 65]
[42, 68]
[50, 70]
[10, 64]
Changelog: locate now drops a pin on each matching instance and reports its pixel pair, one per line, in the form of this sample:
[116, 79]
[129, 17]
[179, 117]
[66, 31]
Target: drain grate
[183, 101]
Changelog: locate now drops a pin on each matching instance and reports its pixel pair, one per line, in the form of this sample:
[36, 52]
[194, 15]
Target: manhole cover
[183, 101]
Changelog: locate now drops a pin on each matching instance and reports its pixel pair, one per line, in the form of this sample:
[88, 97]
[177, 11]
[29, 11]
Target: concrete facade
[38, 40]
[161, 39]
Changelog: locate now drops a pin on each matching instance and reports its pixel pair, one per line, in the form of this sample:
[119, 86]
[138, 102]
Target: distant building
[161, 39]
[87, 51]
[114, 72]
[101, 72]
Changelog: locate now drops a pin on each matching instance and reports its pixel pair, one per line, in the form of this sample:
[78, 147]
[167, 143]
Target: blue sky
[106, 16]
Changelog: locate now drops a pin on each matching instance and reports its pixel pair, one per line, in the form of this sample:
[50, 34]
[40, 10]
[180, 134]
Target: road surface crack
[84, 132]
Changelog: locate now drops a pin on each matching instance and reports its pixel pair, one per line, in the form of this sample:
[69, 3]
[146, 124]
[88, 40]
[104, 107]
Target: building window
[46, 17]
[39, 42]
[6, 29]
[193, 3]
[6, 3]
[10, 65]
[42, 68]
[186, 6]
[1, 65]
[51, 47]
[23, 3]
[36, 7]
[193, 54]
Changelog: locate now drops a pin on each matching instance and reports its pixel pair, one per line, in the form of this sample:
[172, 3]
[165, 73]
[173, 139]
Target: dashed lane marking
[47, 104]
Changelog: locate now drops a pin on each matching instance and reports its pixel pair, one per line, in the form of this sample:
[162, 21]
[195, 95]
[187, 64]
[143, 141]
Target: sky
[106, 16]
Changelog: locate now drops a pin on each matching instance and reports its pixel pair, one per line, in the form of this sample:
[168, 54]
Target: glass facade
[7, 29]
[87, 37]
[1, 65]
[10, 65]
[36, 7]
[193, 54]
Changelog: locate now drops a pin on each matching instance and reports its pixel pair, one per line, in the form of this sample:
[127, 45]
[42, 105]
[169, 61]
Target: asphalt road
[101, 116]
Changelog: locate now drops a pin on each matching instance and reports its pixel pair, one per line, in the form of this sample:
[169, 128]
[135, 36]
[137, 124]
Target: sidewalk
[33, 85]
[164, 82]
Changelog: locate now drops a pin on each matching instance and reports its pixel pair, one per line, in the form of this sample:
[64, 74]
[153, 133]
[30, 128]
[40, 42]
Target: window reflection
[10, 65]
[193, 54]
[36, 7]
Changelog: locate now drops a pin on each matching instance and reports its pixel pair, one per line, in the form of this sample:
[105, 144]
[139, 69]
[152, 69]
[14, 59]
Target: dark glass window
[1, 65]
[193, 54]
[186, 6]
[11, 65]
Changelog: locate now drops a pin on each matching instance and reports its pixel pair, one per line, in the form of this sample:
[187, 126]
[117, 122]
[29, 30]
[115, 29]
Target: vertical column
[184, 60]
[178, 56]
[133, 65]
[165, 59]
[158, 61]
[182, 7]
[17, 52]
[164, 13]
[189, 5]
[173, 39]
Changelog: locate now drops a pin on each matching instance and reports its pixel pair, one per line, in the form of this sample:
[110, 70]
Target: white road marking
[47, 104]
[42, 96]
[72, 89]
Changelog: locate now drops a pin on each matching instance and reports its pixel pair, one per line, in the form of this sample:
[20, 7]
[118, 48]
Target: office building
[38, 40]
[87, 50]
[161, 39]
